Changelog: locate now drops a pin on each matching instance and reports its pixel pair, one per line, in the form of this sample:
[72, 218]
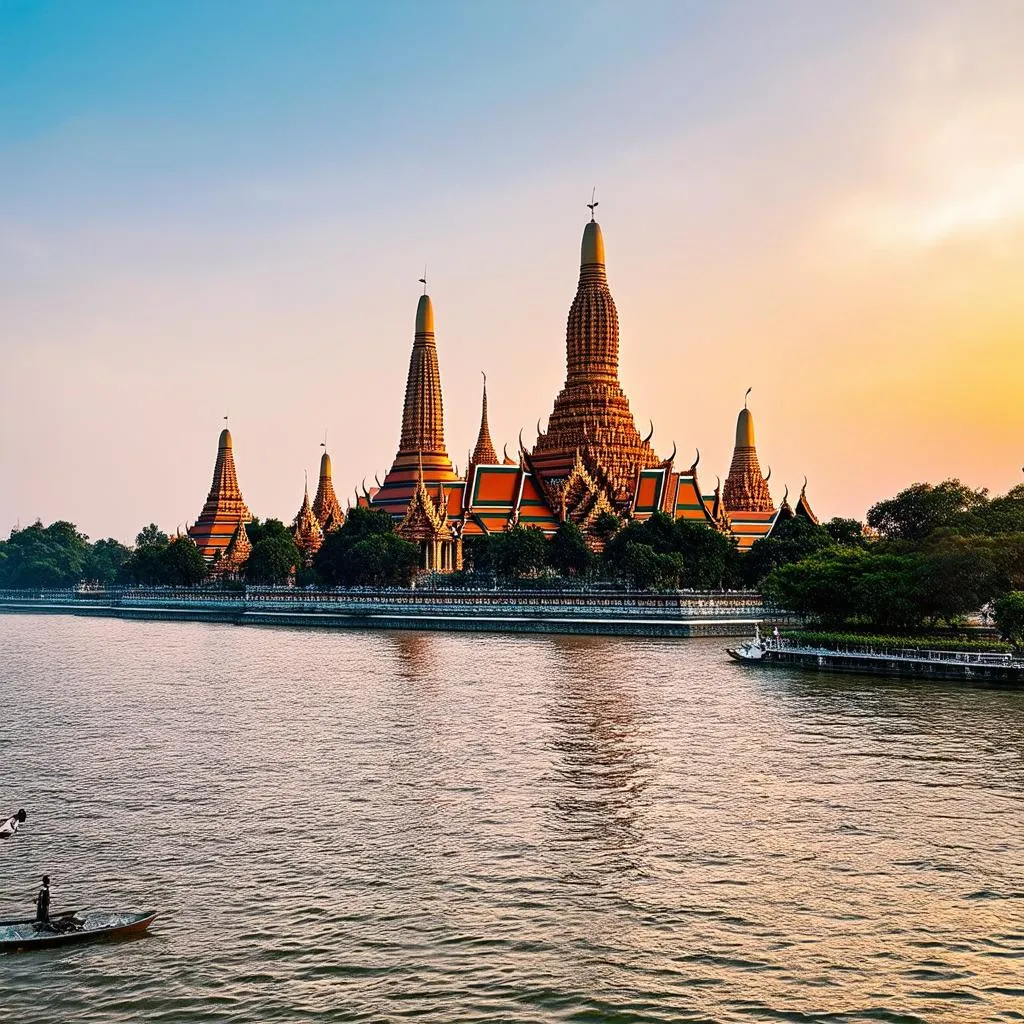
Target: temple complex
[589, 461]
[225, 508]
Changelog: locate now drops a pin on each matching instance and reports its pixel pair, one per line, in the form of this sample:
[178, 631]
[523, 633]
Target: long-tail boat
[72, 927]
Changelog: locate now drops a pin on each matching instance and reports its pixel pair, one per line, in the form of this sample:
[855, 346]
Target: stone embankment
[601, 613]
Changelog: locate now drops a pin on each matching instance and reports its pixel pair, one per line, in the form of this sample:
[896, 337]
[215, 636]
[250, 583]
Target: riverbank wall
[676, 614]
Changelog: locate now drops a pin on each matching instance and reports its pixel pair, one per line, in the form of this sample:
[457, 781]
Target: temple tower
[484, 453]
[306, 530]
[591, 414]
[746, 490]
[326, 506]
[225, 508]
[413, 491]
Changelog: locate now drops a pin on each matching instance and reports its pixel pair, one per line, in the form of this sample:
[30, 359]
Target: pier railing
[993, 658]
[462, 601]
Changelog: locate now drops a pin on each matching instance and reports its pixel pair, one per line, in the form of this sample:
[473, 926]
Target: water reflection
[595, 817]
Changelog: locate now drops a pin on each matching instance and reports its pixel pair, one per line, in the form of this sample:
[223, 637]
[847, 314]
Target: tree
[918, 510]
[271, 561]
[711, 560]
[791, 540]
[181, 564]
[823, 586]
[847, 532]
[40, 556]
[151, 535]
[643, 568]
[366, 551]
[104, 561]
[519, 553]
[1005, 514]
[1009, 611]
[568, 553]
[606, 525]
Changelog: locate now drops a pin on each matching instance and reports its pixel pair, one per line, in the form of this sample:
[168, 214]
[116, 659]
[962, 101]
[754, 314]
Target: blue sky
[224, 207]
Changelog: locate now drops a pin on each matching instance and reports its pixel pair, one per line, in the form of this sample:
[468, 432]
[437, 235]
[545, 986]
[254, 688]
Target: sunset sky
[223, 208]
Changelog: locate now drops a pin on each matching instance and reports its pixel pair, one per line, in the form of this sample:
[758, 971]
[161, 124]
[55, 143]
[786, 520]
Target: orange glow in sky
[824, 202]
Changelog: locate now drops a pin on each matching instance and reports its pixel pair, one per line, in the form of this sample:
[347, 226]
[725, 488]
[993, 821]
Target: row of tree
[936, 554]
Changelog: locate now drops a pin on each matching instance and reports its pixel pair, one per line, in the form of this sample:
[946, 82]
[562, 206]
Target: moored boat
[73, 927]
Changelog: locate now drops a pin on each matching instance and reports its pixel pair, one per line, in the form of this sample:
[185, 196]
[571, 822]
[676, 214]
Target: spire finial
[323, 443]
[745, 396]
[593, 204]
[423, 279]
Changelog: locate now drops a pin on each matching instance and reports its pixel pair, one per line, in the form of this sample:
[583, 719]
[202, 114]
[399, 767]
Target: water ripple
[380, 827]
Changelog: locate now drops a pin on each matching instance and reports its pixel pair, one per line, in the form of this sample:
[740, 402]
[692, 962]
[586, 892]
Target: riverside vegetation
[929, 556]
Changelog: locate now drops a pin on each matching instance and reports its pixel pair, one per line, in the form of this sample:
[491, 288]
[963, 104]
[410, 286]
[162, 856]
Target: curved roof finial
[718, 484]
[696, 461]
[366, 493]
[504, 451]
[745, 396]
[672, 457]
[785, 497]
[376, 481]
[804, 488]
[647, 439]
[769, 476]
[539, 431]
[521, 448]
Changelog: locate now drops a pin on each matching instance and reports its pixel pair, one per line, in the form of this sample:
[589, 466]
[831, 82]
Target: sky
[212, 209]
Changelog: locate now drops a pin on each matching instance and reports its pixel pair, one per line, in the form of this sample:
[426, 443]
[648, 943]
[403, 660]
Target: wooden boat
[82, 926]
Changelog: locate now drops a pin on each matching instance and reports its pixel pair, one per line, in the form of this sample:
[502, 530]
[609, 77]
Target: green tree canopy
[568, 553]
[366, 551]
[40, 556]
[848, 532]
[918, 510]
[791, 540]
[1009, 611]
[104, 561]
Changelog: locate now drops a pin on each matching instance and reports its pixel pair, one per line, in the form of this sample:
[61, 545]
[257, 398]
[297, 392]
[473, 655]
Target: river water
[383, 826]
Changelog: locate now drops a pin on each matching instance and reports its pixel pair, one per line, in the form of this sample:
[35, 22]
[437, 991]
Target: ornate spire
[326, 506]
[306, 529]
[592, 412]
[746, 490]
[422, 422]
[423, 416]
[484, 453]
[224, 508]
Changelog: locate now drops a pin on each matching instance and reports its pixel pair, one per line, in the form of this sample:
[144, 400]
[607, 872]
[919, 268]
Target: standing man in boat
[12, 824]
[43, 902]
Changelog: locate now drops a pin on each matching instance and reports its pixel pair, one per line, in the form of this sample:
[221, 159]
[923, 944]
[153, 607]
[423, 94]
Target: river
[341, 826]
